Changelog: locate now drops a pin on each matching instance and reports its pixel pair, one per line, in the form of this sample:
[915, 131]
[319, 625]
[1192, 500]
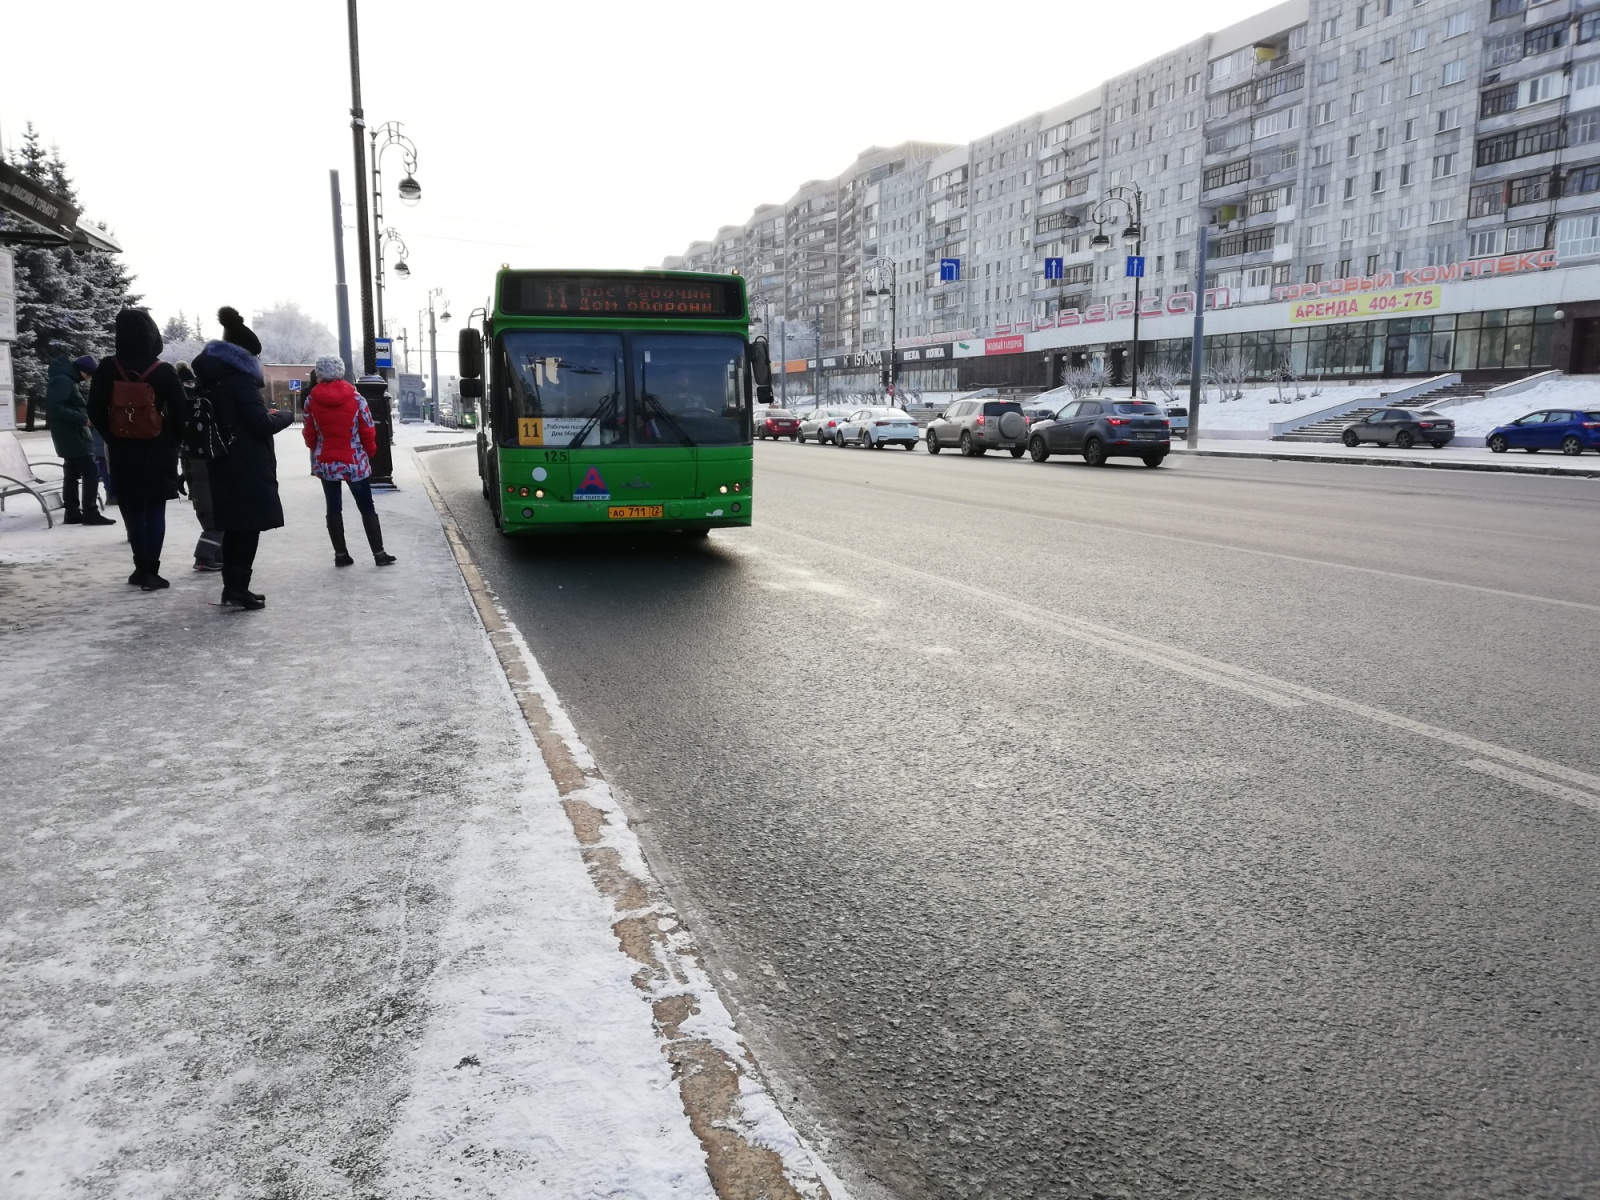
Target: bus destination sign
[542, 295]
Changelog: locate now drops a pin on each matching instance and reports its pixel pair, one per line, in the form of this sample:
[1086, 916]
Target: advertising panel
[1365, 304]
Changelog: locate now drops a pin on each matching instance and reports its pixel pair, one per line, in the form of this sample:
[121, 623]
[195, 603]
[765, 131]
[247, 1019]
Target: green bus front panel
[702, 487]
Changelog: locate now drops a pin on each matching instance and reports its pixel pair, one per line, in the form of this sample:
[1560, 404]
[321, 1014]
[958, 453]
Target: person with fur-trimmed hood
[144, 470]
[342, 437]
[244, 484]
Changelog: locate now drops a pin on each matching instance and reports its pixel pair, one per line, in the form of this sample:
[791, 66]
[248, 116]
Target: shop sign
[1176, 305]
[1420, 277]
[924, 354]
[1365, 304]
[1010, 344]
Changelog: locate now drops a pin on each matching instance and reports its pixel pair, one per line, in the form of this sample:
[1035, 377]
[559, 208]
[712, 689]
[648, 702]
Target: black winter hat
[236, 331]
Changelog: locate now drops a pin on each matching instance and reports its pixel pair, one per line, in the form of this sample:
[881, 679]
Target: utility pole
[341, 290]
[1197, 352]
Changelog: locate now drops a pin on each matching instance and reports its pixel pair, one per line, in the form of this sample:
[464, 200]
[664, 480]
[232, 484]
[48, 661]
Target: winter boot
[236, 590]
[137, 578]
[151, 580]
[341, 552]
[97, 518]
[370, 523]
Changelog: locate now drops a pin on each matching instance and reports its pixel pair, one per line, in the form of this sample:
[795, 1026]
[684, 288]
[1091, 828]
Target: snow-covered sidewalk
[293, 904]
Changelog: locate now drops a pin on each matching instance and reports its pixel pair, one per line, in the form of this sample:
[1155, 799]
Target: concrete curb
[1374, 461]
[715, 1080]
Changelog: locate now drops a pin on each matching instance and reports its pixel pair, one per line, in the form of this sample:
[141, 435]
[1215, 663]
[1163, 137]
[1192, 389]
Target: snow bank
[1259, 408]
[1476, 419]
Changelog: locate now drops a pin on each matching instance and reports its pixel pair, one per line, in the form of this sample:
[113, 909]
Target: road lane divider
[752, 1150]
[1533, 782]
[1514, 765]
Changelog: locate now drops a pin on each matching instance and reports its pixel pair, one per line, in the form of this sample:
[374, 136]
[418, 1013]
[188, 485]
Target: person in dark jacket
[244, 485]
[342, 438]
[197, 473]
[68, 411]
[144, 471]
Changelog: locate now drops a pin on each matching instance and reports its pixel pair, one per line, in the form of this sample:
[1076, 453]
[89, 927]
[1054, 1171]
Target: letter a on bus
[593, 487]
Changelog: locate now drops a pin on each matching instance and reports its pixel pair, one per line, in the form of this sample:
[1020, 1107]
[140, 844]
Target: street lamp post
[1197, 350]
[433, 345]
[891, 375]
[880, 264]
[1131, 200]
[390, 236]
[358, 125]
[409, 190]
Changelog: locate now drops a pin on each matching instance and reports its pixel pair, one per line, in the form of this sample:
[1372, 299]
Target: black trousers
[239, 553]
[79, 476]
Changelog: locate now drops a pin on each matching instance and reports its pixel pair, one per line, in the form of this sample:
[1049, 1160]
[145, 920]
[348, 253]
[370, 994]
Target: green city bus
[618, 398]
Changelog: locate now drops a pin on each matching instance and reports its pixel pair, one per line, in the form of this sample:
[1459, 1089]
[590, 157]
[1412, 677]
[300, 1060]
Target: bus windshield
[575, 381]
[617, 389]
[690, 389]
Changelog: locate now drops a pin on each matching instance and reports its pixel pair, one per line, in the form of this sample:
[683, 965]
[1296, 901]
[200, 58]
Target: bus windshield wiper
[607, 410]
[651, 400]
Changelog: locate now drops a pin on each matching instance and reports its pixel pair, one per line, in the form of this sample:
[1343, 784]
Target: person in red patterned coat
[342, 438]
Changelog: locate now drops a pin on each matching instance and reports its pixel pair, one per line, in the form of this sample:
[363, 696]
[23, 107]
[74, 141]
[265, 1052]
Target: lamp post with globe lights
[390, 236]
[1128, 199]
[408, 189]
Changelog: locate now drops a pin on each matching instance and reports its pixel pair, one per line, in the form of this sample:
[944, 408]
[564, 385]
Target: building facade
[1384, 188]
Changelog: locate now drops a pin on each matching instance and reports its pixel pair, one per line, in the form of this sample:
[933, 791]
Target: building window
[1454, 72]
[1350, 188]
[1520, 238]
[1457, 24]
[1449, 118]
[1483, 245]
[1588, 27]
[1374, 223]
[1519, 143]
[1528, 189]
[1342, 270]
[1361, 60]
[1440, 211]
[1582, 180]
[1414, 84]
[1411, 129]
[1314, 273]
[1325, 113]
[1545, 38]
[1380, 139]
[1330, 29]
[1505, 8]
[1316, 195]
[1543, 87]
[1234, 172]
[1377, 182]
[1358, 103]
[1502, 51]
[1363, 15]
[1280, 273]
[1419, 39]
[1328, 70]
[1405, 174]
[1386, 50]
[1352, 147]
[1372, 264]
[1495, 101]
[1486, 199]
[1321, 155]
[1444, 165]
[1577, 236]
[1317, 236]
[1347, 229]
[1385, 93]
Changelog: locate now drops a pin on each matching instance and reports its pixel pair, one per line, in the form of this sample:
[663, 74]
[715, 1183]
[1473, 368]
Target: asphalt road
[1227, 829]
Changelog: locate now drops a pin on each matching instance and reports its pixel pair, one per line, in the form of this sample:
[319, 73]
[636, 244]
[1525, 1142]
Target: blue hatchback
[1569, 430]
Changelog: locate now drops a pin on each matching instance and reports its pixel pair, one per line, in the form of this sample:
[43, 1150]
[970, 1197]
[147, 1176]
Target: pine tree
[67, 300]
[176, 329]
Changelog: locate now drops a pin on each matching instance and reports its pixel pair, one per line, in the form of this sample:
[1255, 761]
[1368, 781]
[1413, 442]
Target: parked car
[1035, 413]
[1569, 430]
[820, 423]
[978, 426]
[1401, 427]
[1104, 429]
[1178, 419]
[878, 427]
[777, 423]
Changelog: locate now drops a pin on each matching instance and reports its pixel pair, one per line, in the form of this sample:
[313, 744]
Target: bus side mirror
[760, 363]
[469, 347]
[471, 389]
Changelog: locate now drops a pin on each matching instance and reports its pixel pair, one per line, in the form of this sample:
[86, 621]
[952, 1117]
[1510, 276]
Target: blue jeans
[147, 527]
[361, 489]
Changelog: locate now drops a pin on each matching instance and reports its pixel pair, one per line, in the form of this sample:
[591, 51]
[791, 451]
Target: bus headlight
[538, 493]
[523, 492]
[723, 489]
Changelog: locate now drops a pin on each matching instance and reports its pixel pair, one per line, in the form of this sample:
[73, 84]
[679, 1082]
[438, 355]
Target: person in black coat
[244, 484]
[144, 471]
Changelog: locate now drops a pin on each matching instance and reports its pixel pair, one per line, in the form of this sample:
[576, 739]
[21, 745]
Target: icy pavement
[291, 906]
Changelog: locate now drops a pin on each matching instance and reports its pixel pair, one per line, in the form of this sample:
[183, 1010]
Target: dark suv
[1104, 429]
[980, 425]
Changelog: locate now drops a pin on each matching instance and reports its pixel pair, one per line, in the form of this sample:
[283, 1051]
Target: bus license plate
[629, 512]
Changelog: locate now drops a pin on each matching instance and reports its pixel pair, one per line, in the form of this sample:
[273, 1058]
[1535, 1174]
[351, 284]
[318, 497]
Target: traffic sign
[949, 270]
[1135, 266]
[385, 352]
[1052, 268]
[294, 385]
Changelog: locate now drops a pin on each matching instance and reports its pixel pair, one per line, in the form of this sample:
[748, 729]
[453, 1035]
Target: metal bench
[18, 477]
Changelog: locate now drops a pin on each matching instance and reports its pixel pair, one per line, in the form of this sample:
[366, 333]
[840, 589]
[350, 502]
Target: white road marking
[1186, 541]
[1534, 783]
[1279, 692]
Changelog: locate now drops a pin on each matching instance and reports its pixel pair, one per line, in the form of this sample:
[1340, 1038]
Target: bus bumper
[520, 516]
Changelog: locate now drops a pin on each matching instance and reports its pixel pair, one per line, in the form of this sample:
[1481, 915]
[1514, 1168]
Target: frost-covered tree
[289, 334]
[67, 300]
[176, 329]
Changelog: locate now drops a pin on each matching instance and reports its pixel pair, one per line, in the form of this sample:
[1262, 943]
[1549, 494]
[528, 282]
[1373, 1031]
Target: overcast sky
[604, 134]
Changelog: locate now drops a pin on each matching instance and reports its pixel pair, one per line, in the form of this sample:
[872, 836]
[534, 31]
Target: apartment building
[1384, 188]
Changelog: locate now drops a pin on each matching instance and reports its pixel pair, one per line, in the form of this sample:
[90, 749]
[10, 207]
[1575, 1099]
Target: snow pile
[1260, 408]
[1478, 418]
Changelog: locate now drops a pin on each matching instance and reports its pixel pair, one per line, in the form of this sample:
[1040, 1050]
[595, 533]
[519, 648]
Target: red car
[777, 423]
